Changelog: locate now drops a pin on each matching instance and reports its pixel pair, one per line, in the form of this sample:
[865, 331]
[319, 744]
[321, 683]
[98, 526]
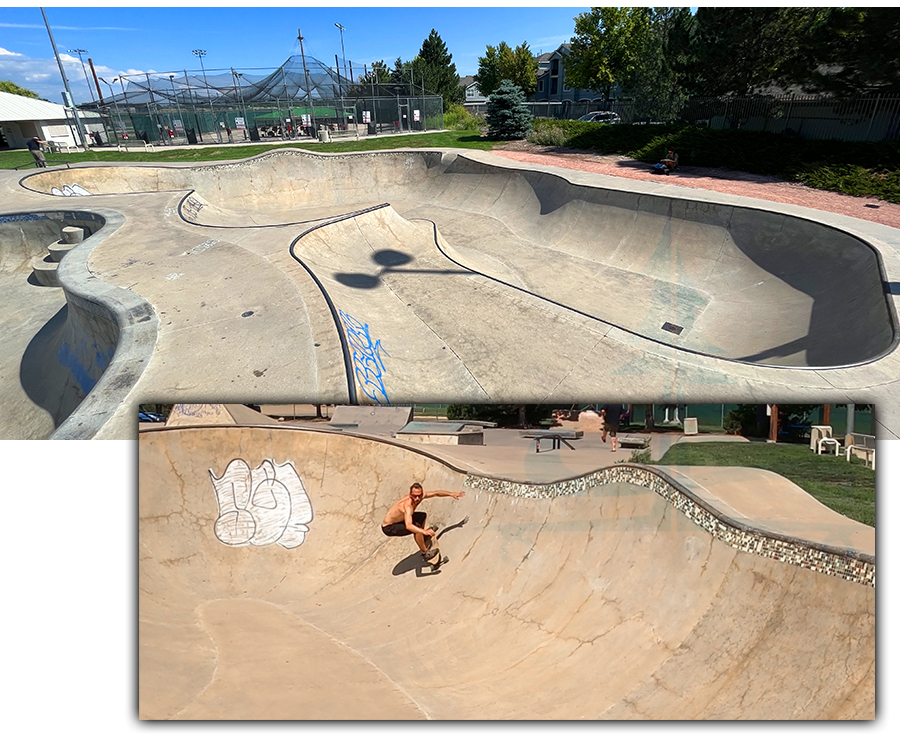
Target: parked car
[150, 417]
[600, 117]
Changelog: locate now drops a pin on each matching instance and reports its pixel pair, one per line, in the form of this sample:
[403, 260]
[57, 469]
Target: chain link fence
[295, 101]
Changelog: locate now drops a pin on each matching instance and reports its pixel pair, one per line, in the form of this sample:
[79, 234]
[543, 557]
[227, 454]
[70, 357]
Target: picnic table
[556, 438]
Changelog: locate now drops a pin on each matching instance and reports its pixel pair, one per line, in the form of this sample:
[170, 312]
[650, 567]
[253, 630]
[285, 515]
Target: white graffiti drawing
[70, 190]
[261, 506]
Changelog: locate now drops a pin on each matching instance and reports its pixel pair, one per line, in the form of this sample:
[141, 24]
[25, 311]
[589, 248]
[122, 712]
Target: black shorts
[398, 529]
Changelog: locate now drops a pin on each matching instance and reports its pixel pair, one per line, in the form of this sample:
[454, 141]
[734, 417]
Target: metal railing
[869, 118]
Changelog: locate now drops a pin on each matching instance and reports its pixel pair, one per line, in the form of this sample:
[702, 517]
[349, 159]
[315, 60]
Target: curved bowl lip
[131, 314]
[659, 472]
[470, 155]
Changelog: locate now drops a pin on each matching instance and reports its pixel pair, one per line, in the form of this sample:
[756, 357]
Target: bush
[458, 117]
[551, 135]
[507, 115]
[849, 167]
[505, 415]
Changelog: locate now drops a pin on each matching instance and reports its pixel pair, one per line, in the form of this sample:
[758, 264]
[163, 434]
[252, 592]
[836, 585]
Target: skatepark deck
[626, 593]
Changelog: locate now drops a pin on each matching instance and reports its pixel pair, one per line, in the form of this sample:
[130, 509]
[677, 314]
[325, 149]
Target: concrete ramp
[267, 591]
[371, 419]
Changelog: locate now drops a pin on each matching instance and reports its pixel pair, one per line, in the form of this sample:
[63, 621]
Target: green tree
[507, 114]
[740, 51]
[11, 88]
[439, 70]
[377, 73]
[853, 51]
[606, 47]
[503, 62]
[522, 69]
[488, 75]
[658, 81]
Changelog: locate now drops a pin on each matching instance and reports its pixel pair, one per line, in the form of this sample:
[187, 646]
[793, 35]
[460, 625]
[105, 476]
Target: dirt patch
[766, 187]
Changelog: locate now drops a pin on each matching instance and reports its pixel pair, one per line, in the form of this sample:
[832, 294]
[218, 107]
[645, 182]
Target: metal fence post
[872, 120]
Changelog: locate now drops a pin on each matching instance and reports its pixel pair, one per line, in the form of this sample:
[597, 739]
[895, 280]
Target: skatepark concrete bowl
[267, 591]
[434, 276]
[741, 284]
[59, 341]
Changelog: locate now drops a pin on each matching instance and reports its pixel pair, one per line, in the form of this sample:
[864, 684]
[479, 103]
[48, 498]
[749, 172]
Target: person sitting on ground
[402, 518]
[35, 147]
[667, 163]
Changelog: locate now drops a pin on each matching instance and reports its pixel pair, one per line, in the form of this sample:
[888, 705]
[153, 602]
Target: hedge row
[850, 167]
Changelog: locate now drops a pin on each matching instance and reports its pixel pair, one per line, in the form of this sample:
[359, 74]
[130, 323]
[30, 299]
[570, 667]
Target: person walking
[612, 414]
[35, 147]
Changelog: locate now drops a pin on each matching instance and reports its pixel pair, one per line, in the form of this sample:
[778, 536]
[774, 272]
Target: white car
[600, 117]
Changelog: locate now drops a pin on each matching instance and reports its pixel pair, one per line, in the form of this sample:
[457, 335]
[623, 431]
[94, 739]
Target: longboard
[436, 560]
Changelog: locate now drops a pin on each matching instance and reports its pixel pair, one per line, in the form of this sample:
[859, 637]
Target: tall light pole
[240, 84]
[312, 112]
[62, 72]
[84, 70]
[201, 54]
[343, 54]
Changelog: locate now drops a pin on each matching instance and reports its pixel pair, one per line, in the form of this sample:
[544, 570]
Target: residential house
[551, 81]
[473, 95]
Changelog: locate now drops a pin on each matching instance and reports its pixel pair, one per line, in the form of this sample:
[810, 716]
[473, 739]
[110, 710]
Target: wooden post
[826, 414]
[773, 424]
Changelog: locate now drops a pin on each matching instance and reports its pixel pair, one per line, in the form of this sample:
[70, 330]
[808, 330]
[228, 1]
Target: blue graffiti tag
[367, 364]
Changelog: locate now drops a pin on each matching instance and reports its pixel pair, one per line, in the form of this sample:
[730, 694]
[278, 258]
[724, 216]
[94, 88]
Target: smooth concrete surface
[482, 281]
[606, 604]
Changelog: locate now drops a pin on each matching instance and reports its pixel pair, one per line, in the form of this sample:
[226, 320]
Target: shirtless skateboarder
[402, 518]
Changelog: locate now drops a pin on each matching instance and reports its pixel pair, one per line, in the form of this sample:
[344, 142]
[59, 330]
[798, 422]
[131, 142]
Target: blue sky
[122, 39]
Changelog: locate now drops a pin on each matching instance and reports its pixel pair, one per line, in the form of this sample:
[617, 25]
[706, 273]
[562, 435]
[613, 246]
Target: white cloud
[64, 28]
[7, 52]
[42, 76]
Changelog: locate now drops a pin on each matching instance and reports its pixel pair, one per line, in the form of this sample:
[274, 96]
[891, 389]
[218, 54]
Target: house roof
[15, 108]
[466, 80]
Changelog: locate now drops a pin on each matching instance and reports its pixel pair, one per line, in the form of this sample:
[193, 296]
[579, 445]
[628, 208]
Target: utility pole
[312, 112]
[201, 54]
[343, 54]
[83, 69]
[71, 102]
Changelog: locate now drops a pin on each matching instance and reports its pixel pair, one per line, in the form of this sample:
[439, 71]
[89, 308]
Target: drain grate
[672, 328]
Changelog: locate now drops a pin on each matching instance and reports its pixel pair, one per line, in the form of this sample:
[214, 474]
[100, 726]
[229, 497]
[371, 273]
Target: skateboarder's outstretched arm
[445, 494]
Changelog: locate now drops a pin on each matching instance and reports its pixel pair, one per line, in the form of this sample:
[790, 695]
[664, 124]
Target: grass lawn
[450, 139]
[848, 488]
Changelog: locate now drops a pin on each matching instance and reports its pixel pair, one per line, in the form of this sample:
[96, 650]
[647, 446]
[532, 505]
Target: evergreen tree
[507, 115]
[439, 71]
[378, 73]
